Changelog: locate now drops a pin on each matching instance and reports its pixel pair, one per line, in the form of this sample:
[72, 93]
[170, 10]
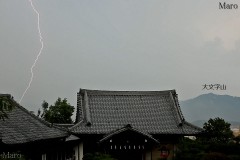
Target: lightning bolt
[40, 51]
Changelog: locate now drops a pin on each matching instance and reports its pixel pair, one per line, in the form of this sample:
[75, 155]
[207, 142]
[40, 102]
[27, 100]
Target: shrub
[97, 156]
[215, 156]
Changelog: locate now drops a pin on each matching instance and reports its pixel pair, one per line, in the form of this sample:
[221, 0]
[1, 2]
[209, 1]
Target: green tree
[189, 149]
[215, 155]
[6, 105]
[217, 143]
[218, 131]
[60, 112]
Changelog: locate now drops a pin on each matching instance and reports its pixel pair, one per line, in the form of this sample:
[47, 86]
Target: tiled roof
[23, 126]
[128, 128]
[152, 112]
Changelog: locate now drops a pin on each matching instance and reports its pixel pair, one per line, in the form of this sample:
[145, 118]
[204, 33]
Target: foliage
[218, 131]
[212, 145]
[60, 112]
[234, 157]
[97, 156]
[190, 150]
[215, 155]
[6, 105]
[196, 150]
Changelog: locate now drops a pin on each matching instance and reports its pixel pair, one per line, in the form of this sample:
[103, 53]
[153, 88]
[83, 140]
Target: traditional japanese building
[130, 125]
[24, 134]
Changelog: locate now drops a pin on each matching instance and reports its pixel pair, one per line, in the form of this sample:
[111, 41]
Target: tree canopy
[218, 143]
[218, 131]
[6, 105]
[60, 112]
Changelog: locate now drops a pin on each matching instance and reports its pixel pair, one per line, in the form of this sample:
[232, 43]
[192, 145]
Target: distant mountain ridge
[200, 123]
[200, 109]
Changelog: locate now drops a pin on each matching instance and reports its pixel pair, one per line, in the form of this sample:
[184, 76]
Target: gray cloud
[117, 45]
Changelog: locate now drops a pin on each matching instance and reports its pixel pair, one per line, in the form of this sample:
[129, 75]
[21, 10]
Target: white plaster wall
[79, 151]
[44, 156]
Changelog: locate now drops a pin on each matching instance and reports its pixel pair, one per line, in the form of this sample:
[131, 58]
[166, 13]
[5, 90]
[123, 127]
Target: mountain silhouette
[200, 109]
